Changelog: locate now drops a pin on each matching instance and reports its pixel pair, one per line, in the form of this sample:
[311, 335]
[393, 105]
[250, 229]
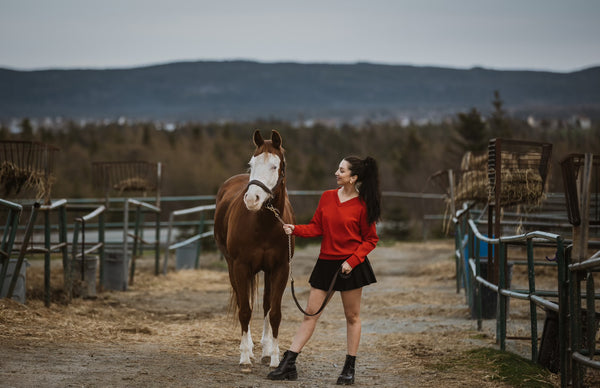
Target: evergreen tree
[498, 122]
[471, 132]
[26, 129]
[4, 132]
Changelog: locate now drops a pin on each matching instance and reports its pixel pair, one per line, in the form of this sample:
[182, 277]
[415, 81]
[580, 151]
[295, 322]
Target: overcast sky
[556, 35]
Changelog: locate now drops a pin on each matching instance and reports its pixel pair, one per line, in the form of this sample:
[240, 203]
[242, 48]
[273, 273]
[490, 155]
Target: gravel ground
[177, 331]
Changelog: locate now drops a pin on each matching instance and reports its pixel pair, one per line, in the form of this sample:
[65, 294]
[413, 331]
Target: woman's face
[343, 175]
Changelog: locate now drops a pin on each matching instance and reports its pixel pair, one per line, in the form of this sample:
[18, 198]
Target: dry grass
[14, 179]
[413, 322]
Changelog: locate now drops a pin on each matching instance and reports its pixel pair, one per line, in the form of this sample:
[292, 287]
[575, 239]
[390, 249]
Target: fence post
[563, 310]
[11, 225]
[575, 311]
[125, 237]
[590, 314]
[47, 237]
[458, 254]
[101, 240]
[532, 305]
[478, 289]
[157, 246]
[501, 299]
[62, 230]
[199, 243]
[134, 249]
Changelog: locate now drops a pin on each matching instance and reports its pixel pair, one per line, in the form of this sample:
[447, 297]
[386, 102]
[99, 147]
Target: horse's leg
[278, 282]
[243, 281]
[267, 334]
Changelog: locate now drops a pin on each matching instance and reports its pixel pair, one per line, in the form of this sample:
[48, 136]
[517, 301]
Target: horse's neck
[279, 197]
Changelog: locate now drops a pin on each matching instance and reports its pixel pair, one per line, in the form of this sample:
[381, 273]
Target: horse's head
[267, 170]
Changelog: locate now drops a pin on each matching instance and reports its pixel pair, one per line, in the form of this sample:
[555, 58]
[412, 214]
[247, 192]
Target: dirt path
[175, 330]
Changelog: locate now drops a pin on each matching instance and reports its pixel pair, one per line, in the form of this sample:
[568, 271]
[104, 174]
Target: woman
[345, 218]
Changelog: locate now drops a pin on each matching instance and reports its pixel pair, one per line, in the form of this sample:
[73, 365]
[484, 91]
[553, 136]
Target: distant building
[581, 122]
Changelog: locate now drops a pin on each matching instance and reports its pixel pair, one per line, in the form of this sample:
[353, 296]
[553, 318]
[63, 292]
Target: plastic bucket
[88, 283]
[115, 270]
[185, 256]
[19, 291]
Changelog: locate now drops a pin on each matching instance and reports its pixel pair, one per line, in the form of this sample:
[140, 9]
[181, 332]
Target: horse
[250, 210]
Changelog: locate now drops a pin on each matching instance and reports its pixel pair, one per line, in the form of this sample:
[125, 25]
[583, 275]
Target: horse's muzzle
[253, 198]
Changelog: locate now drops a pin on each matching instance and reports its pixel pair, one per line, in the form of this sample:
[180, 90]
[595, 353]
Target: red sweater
[344, 228]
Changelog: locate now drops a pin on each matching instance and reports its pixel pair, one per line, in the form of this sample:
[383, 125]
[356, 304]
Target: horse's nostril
[249, 198]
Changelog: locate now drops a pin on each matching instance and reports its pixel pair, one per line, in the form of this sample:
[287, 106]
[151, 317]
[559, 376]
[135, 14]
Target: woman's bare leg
[351, 301]
[307, 327]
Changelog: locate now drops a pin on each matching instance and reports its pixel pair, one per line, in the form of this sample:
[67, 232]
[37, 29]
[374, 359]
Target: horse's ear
[276, 139]
[258, 140]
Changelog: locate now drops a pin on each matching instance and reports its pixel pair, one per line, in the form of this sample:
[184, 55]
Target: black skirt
[323, 272]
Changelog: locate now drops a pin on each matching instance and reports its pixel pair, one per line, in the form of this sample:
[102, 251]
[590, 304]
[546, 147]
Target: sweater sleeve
[315, 227]
[369, 241]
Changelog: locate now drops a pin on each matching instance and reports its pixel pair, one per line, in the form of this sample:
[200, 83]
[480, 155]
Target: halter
[260, 184]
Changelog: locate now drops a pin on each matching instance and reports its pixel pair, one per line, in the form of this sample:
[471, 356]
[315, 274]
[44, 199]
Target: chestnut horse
[251, 238]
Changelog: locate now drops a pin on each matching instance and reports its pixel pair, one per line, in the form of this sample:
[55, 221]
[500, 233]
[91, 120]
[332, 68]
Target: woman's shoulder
[328, 196]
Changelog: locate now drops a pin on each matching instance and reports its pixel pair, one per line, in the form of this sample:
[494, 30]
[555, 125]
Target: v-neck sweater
[344, 228]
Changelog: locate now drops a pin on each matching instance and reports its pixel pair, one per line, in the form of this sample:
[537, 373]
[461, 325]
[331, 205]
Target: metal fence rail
[469, 268]
[140, 208]
[577, 323]
[200, 235]
[583, 331]
[97, 212]
[59, 206]
[8, 239]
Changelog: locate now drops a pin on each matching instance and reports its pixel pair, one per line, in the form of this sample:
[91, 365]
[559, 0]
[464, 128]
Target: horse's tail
[252, 292]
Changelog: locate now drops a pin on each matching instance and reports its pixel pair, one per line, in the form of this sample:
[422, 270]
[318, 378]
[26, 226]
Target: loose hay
[15, 178]
[184, 313]
[133, 184]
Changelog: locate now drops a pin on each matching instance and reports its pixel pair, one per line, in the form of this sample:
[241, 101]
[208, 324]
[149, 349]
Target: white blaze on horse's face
[263, 168]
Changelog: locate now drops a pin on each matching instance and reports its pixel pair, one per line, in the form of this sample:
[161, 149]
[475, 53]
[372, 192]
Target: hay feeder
[137, 177]
[27, 165]
[517, 173]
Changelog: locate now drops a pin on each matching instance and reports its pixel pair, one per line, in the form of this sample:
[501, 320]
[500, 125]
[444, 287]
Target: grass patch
[500, 366]
[480, 336]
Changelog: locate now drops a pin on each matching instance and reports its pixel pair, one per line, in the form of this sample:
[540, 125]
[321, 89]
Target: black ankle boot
[347, 375]
[286, 369]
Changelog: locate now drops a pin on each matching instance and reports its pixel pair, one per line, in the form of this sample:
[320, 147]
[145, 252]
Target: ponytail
[367, 172]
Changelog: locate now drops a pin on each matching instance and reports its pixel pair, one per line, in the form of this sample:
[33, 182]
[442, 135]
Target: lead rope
[330, 291]
[278, 216]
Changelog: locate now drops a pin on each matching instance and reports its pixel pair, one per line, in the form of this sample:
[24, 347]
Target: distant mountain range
[243, 90]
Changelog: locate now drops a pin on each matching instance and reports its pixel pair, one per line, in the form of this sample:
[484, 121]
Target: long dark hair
[367, 174]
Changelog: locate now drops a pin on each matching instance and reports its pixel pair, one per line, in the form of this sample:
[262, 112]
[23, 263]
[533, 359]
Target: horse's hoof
[266, 360]
[246, 368]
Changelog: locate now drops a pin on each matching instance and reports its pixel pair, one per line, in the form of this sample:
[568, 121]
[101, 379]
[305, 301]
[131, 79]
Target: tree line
[198, 157]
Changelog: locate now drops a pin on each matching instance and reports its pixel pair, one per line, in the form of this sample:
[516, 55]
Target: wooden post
[451, 185]
[581, 231]
[494, 265]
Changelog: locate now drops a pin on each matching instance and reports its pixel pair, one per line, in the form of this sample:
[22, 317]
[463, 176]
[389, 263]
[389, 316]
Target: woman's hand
[288, 228]
[346, 268]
